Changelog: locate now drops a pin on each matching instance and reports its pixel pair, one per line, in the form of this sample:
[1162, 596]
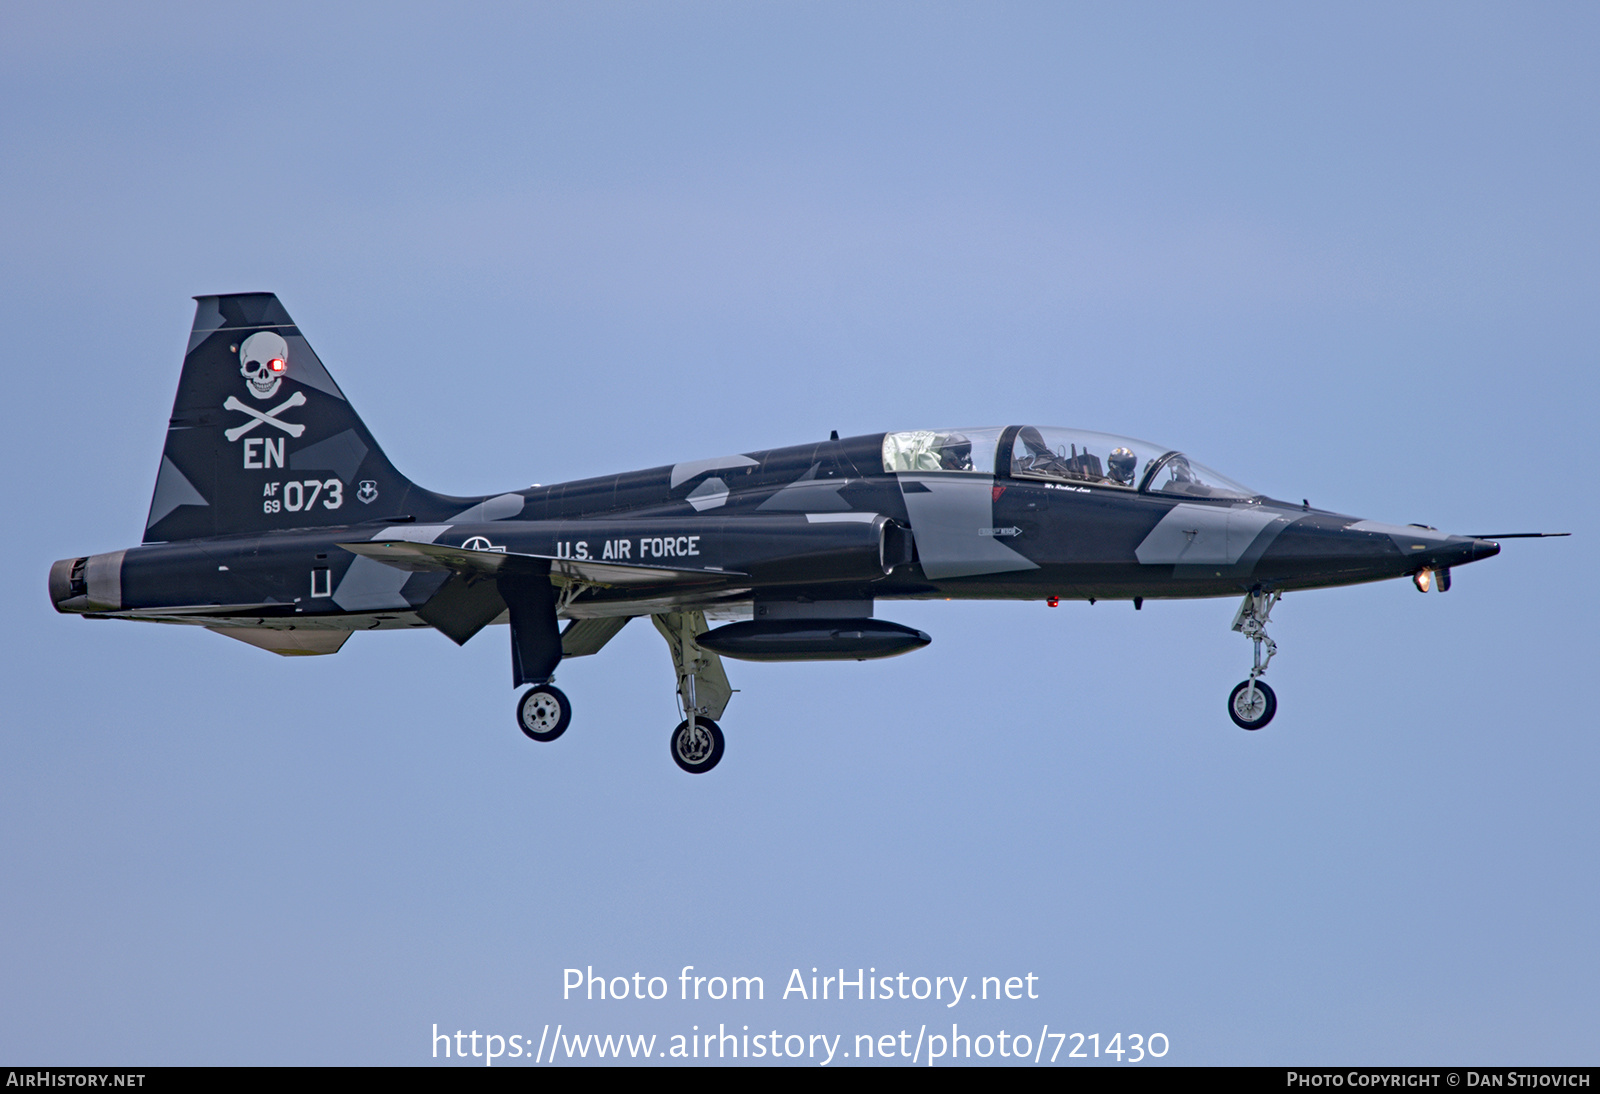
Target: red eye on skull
[263, 362]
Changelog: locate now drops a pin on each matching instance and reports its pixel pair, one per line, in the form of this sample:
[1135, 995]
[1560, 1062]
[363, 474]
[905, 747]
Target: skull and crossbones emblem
[263, 359]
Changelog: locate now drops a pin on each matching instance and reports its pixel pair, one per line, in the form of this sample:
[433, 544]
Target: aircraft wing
[434, 557]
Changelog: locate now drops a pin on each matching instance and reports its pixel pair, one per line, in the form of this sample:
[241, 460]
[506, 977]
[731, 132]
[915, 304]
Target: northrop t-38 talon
[277, 520]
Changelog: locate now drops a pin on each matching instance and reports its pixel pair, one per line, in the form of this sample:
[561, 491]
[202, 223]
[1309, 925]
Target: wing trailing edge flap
[435, 557]
[463, 606]
[473, 597]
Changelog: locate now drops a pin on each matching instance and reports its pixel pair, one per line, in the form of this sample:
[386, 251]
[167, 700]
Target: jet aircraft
[278, 521]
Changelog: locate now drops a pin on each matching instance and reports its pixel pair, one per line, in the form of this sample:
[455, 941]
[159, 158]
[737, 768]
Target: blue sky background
[1343, 252]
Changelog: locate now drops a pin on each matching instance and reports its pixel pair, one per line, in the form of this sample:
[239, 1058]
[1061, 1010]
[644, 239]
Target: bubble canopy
[1050, 454]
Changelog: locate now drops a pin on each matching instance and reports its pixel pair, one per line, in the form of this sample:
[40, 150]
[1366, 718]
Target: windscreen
[1181, 475]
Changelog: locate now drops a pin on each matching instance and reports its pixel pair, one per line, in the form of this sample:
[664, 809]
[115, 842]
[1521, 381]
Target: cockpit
[1064, 456]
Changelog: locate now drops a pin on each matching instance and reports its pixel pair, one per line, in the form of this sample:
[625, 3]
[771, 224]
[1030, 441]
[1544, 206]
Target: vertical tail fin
[261, 438]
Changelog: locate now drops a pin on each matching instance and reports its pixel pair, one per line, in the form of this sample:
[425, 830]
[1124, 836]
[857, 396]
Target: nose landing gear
[1252, 704]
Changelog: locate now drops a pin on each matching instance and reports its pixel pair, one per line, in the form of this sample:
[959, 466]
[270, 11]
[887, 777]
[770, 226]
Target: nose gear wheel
[1252, 704]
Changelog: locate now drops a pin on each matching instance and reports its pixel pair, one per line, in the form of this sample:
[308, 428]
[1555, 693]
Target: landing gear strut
[1252, 704]
[543, 713]
[697, 742]
[703, 692]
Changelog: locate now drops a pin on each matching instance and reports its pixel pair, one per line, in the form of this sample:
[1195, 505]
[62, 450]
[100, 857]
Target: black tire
[1241, 708]
[543, 713]
[701, 754]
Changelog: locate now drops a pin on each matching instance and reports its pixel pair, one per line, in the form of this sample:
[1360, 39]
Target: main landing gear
[697, 745]
[1252, 704]
[703, 692]
[697, 742]
[543, 712]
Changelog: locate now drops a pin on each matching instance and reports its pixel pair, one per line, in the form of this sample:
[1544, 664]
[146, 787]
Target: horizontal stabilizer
[286, 643]
[435, 557]
[199, 613]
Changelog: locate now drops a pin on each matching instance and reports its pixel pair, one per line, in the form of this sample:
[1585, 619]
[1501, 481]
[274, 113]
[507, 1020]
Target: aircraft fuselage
[804, 522]
[277, 520]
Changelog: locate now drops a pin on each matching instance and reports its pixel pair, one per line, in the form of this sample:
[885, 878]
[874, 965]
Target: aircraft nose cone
[1460, 550]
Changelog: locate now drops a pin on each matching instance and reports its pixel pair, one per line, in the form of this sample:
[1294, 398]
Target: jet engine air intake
[896, 547]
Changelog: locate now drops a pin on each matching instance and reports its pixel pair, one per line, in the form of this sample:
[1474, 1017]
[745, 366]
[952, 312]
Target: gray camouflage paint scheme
[759, 534]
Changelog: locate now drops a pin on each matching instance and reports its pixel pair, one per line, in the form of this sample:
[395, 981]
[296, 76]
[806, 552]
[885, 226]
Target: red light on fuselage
[276, 364]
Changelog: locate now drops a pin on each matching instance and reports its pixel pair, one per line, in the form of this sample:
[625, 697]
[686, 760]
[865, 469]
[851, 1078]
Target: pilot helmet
[1122, 462]
[956, 453]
